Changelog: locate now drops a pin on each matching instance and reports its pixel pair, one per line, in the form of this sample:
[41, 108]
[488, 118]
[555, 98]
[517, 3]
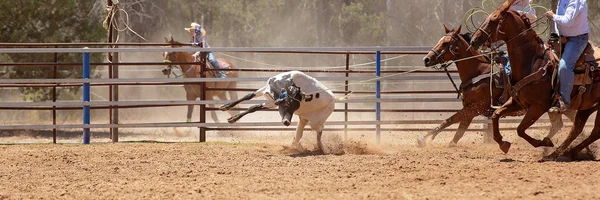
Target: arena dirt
[264, 166]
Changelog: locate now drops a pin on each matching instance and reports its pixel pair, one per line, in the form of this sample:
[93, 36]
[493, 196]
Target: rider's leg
[213, 61]
[507, 66]
[573, 49]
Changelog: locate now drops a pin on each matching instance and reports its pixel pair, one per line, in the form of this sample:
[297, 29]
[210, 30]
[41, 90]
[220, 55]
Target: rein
[458, 96]
[183, 74]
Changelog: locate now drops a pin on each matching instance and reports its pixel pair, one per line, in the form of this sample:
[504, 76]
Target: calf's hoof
[232, 120]
[224, 107]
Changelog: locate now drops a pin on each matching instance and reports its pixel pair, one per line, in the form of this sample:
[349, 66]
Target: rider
[571, 22]
[198, 37]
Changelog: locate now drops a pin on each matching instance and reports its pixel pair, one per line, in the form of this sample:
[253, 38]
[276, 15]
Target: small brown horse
[474, 74]
[193, 71]
[531, 80]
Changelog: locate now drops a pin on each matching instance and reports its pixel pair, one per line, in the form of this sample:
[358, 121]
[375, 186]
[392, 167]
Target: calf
[294, 93]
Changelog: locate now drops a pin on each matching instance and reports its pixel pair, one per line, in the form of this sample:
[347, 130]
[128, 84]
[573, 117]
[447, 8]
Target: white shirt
[571, 18]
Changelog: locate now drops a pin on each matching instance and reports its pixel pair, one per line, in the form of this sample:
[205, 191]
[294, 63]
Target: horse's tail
[345, 97]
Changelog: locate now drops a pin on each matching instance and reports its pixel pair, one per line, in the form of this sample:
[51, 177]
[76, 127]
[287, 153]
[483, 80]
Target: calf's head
[288, 102]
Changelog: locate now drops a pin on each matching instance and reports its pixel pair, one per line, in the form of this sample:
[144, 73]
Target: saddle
[209, 65]
[586, 70]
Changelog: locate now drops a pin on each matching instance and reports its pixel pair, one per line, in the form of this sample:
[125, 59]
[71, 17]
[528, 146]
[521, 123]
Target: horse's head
[288, 102]
[448, 48]
[169, 57]
[496, 26]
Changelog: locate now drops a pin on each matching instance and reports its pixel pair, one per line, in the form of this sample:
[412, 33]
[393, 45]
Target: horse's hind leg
[595, 135]
[556, 124]
[532, 115]
[580, 118]
[467, 113]
[462, 127]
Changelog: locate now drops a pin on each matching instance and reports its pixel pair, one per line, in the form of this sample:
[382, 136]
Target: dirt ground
[262, 166]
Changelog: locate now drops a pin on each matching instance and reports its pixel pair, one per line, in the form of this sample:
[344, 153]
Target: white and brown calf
[293, 92]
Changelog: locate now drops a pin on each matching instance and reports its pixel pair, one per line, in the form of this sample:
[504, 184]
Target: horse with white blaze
[293, 92]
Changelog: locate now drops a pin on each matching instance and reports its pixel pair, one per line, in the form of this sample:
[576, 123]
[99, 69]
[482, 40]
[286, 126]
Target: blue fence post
[378, 96]
[86, 97]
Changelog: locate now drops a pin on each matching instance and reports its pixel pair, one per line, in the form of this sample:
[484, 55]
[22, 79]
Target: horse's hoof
[505, 146]
[421, 141]
[551, 157]
[547, 142]
[452, 144]
[564, 158]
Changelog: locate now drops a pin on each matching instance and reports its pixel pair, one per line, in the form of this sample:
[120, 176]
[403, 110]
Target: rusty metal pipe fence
[243, 126]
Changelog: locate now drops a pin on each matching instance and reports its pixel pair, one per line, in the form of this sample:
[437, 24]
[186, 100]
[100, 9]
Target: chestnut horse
[474, 74]
[531, 80]
[193, 71]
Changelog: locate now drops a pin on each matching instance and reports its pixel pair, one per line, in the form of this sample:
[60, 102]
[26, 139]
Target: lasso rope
[292, 67]
[437, 66]
[112, 11]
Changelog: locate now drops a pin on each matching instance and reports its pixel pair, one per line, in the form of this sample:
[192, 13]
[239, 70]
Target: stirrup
[558, 109]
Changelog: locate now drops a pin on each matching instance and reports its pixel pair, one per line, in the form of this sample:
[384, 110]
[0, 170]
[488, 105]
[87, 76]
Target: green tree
[46, 21]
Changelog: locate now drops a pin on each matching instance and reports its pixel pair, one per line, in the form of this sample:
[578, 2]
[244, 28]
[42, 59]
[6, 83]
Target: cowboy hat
[193, 27]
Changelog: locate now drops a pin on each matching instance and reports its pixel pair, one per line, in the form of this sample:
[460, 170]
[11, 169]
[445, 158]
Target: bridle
[488, 35]
[169, 57]
[452, 48]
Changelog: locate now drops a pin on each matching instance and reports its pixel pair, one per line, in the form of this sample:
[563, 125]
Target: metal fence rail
[344, 79]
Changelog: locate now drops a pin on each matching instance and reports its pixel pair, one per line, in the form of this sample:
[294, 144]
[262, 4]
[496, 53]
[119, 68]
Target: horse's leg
[252, 109]
[580, 118]
[190, 108]
[466, 113]
[462, 127]
[570, 114]
[595, 135]
[556, 124]
[299, 131]
[532, 115]
[508, 107]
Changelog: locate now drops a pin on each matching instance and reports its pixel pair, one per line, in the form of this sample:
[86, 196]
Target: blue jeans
[213, 61]
[507, 67]
[573, 49]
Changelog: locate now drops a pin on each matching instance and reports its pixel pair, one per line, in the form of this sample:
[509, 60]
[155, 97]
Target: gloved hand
[196, 55]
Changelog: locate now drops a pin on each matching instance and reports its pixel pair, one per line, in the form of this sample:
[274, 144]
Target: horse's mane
[523, 17]
[466, 36]
[175, 43]
[506, 5]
